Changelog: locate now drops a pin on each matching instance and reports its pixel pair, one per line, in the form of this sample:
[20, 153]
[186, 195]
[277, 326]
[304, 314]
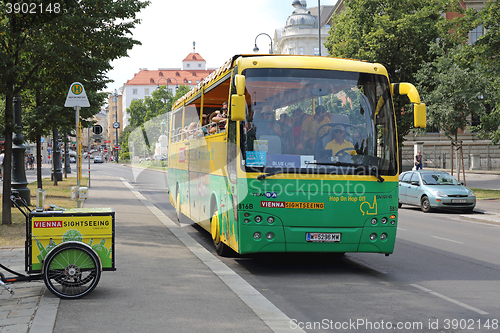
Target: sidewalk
[165, 281]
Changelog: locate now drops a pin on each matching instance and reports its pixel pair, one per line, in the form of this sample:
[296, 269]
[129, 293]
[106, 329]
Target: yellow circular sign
[77, 89]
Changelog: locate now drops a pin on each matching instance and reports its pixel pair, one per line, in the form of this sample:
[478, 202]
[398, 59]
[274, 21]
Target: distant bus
[306, 160]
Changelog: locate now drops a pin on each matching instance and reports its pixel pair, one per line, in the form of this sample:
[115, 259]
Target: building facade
[300, 35]
[146, 81]
[114, 114]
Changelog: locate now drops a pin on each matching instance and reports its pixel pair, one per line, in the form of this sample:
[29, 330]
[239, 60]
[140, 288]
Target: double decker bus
[306, 160]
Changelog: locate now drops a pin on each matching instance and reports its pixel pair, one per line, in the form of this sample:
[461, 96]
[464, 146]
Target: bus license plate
[322, 237]
[458, 200]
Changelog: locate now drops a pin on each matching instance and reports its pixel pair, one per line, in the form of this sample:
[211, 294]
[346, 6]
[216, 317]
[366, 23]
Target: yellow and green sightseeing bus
[306, 159]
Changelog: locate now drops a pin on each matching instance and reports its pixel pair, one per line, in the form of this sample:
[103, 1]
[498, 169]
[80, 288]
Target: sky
[220, 29]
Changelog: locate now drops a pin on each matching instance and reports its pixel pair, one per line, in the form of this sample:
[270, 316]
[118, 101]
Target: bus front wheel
[221, 248]
[178, 210]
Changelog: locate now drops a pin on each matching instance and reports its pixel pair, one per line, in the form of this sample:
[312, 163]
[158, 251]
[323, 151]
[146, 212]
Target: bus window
[191, 122]
[176, 125]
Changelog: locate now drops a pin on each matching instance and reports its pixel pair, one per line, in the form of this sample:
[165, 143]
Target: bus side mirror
[238, 100]
[419, 115]
[239, 82]
[237, 108]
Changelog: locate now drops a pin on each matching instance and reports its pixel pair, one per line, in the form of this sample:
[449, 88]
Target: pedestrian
[2, 156]
[31, 161]
[418, 160]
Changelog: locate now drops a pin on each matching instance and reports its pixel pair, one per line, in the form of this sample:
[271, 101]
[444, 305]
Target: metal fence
[440, 156]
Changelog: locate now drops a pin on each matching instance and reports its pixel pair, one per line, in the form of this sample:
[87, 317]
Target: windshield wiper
[371, 171]
[260, 177]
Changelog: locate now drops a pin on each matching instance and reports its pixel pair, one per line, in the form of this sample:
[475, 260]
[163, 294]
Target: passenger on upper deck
[221, 118]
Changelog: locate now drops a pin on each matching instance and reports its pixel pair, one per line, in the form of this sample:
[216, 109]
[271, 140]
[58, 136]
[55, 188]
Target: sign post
[77, 98]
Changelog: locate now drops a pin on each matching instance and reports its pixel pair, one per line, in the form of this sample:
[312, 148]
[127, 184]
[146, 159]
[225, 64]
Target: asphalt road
[444, 273]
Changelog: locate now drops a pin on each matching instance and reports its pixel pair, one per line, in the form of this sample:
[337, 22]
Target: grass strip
[15, 234]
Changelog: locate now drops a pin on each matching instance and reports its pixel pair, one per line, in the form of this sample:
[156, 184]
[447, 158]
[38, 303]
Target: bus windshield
[324, 121]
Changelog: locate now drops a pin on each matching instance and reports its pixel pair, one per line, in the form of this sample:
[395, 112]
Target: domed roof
[301, 17]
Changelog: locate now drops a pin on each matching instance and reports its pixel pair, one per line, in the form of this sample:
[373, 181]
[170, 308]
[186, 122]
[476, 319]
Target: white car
[98, 159]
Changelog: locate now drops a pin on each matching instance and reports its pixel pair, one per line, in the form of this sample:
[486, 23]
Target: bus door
[192, 121]
[231, 227]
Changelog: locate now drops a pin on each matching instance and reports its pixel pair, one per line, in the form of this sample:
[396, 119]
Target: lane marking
[263, 308]
[450, 299]
[446, 239]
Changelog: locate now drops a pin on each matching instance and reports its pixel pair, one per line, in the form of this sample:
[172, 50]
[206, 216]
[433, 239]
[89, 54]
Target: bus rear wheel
[221, 248]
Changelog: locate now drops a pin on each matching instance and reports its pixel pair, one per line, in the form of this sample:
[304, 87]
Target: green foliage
[42, 54]
[484, 56]
[147, 118]
[395, 34]
[452, 90]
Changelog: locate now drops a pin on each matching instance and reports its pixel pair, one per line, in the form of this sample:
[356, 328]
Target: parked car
[98, 159]
[434, 189]
[72, 159]
[159, 158]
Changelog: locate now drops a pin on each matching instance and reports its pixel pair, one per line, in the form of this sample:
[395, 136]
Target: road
[443, 274]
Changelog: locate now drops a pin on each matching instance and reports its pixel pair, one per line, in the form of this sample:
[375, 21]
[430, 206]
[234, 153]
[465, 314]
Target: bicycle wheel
[71, 270]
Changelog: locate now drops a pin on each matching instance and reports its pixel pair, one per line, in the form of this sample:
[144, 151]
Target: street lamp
[256, 49]
[319, 27]
[167, 79]
[115, 99]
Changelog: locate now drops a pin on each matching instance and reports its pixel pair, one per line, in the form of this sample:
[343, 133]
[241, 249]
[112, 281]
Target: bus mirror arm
[419, 109]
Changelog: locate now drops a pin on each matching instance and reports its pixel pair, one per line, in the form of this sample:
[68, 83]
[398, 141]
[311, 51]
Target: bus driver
[339, 142]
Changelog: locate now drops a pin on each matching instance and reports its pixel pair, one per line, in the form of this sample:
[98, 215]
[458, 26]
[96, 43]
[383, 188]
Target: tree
[68, 35]
[452, 90]
[395, 34]
[485, 56]
[146, 116]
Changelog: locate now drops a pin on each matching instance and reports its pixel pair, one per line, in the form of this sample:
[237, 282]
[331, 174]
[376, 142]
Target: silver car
[434, 189]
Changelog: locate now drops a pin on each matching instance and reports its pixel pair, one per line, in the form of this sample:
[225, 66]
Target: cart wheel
[71, 270]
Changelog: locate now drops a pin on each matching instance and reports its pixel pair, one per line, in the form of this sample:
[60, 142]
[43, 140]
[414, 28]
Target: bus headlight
[374, 221]
[247, 220]
[270, 220]
[257, 235]
[269, 235]
[383, 237]
[373, 236]
[384, 220]
[258, 218]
